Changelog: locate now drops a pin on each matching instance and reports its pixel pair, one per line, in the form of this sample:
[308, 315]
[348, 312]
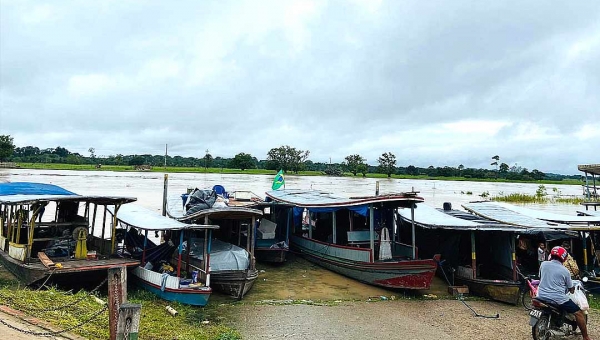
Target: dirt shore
[400, 319]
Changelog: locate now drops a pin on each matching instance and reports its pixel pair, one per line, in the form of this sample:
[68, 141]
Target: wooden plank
[45, 260]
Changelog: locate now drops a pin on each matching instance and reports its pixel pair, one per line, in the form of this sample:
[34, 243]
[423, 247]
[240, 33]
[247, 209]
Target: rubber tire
[526, 300]
[534, 330]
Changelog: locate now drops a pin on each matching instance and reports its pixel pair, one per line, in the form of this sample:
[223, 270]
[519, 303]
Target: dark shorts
[570, 307]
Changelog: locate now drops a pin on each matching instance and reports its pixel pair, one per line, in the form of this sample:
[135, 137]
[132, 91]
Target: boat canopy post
[164, 202]
[351, 220]
[514, 256]
[473, 255]
[207, 244]
[253, 227]
[94, 219]
[309, 224]
[585, 257]
[19, 224]
[180, 251]
[412, 223]
[334, 234]
[113, 235]
[287, 230]
[103, 229]
[145, 244]
[31, 228]
[372, 231]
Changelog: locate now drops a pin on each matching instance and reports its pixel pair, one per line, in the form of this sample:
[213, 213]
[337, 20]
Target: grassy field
[204, 323]
[90, 167]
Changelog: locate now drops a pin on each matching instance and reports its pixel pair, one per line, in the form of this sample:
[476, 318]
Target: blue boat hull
[187, 297]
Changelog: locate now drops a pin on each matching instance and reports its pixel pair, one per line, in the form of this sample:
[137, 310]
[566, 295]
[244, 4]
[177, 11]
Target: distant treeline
[275, 161]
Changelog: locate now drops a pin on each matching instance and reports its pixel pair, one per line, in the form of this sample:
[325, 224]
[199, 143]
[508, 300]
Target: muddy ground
[342, 310]
[400, 319]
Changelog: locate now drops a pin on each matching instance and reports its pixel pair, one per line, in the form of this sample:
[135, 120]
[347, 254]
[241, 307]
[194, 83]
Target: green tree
[460, 169]
[208, 158]
[73, 159]
[242, 161]
[504, 168]
[287, 158]
[60, 151]
[353, 163]
[387, 163]
[363, 169]
[137, 160]
[6, 147]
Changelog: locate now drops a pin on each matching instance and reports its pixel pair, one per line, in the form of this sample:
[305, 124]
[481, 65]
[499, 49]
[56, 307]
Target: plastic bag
[579, 298]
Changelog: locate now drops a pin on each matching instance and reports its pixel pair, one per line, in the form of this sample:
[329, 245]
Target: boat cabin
[45, 229]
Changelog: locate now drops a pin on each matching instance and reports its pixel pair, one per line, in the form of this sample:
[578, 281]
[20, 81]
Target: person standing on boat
[542, 253]
[555, 281]
[570, 262]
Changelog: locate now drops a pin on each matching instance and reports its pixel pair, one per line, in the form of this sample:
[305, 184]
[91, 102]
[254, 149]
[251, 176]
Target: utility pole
[166, 155]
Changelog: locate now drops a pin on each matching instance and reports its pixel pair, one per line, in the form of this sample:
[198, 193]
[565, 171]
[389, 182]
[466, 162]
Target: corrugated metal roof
[315, 199]
[548, 216]
[502, 214]
[142, 218]
[431, 218]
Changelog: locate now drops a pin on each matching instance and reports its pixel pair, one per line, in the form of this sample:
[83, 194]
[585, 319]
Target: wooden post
[145, 245]
[585, 257]
[473, 255]
[113, 234]
[128, 322]
[290, 217]
[412, 223]
[180, 251]
[103, 230]
[377, 188]
[309, 224]
[334, 233]
[166, 185]
[514, 257]
[94, 219]
[117, 294]
[372, 231]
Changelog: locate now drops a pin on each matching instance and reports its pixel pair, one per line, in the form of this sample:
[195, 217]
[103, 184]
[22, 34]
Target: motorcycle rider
[555, 281]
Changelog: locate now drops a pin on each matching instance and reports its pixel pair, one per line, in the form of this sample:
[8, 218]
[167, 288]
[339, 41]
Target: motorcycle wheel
[540, 330]
[526, 300]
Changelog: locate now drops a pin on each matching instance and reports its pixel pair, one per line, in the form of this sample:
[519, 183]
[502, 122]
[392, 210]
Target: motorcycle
[547, 321]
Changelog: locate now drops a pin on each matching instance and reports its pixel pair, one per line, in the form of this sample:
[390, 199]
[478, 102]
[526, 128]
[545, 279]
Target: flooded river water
[297, 280]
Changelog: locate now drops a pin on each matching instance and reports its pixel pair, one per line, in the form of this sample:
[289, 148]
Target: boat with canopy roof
[357, 237]
[46, 230]
[155, 272]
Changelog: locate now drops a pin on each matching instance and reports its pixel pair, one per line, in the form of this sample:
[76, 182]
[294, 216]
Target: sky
[439, 83]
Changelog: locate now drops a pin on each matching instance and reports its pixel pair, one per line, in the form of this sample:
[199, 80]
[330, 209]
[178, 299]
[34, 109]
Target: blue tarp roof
[27, 188]
[30, 192]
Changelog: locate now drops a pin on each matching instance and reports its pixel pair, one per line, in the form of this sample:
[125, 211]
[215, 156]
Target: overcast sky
[434, 82]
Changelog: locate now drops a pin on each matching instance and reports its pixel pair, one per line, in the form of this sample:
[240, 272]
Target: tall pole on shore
[166, 155]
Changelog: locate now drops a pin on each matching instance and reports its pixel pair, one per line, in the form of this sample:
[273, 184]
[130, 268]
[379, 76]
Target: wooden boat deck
[85, 265]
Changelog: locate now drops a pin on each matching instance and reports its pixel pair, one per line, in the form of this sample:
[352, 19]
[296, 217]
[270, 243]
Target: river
[148, 186]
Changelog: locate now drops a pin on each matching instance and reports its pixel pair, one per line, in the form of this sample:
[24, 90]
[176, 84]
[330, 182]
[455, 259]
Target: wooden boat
[272, 240]
[344, 237]
[232, 255]
[173, 286]
[586, 227]
[476, 253]
[46, 230]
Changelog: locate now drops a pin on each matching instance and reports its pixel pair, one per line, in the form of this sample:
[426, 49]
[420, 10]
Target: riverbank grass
[191, 323]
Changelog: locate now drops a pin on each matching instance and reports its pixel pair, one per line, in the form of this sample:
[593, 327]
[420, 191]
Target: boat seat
[360, 237]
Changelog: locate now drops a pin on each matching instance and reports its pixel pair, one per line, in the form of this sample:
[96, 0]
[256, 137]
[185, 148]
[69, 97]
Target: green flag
[278, 181]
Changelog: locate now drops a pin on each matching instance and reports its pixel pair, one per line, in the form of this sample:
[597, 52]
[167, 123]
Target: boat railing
[404, 250]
